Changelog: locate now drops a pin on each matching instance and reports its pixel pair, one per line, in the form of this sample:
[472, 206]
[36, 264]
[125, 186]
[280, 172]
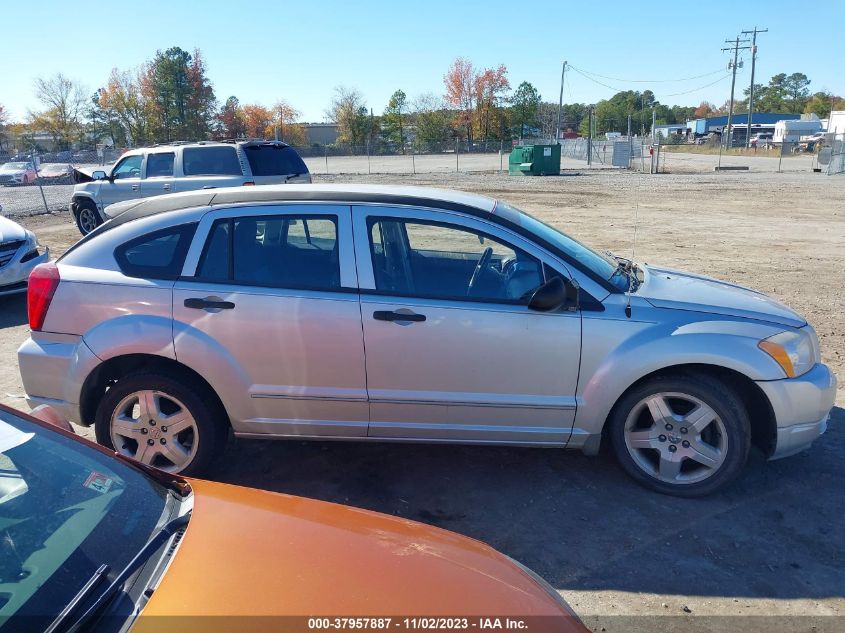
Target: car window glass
[129, 167]
[450, 262]
[160, 164]
[157, 255]
[211, 161]
[273, 251]
[274, 160]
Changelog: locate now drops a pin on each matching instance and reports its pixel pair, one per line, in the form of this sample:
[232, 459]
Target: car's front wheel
[161, 421]
[681, 435]
[87, 218]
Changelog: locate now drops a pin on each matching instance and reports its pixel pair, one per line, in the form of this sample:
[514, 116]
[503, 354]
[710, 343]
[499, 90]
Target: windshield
[602, 266]
[65, 509]
[13, 166]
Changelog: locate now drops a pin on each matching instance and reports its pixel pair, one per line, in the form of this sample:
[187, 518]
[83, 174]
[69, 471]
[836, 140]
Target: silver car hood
[10, 231]
[678, 290]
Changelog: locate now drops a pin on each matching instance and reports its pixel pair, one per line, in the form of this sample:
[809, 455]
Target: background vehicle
[761, 139]
[92, 539]
[154, 171]
[19, 254]
[56, 173]
[253, 308]
[17, 173]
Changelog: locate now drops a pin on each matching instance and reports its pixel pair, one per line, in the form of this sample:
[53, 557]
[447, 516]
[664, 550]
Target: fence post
[413, 161]
[368, 157]
[326, 150]
[457, 151]
[40, 186]
[501, 152]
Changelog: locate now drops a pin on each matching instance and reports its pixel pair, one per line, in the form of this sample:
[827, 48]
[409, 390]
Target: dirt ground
[765, 555]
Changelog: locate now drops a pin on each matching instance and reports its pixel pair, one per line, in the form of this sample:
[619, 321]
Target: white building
[836, 122]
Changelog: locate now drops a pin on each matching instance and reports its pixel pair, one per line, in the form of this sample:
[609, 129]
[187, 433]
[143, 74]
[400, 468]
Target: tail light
[43, 281]
[249, 184]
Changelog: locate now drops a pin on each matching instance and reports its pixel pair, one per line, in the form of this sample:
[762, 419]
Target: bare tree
[65, 102]
[349, 110]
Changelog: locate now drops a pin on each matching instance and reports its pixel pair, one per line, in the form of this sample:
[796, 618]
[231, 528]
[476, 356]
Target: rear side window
[274, 160]
[211, 161]
[273, 251]
[156, 255]
[160, 164]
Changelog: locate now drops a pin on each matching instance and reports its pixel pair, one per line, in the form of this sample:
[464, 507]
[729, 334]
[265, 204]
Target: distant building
[321, 133]
[715, 124]
[836, 122]
[791, 131]
[665, 131]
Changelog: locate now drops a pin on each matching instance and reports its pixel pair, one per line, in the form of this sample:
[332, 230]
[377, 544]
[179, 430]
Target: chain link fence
[834, 156]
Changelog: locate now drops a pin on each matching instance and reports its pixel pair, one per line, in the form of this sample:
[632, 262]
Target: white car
[19, 254]
[17, 173]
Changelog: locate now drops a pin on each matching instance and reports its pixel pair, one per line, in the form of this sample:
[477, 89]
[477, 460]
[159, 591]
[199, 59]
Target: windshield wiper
[82, 594]
[158, 538]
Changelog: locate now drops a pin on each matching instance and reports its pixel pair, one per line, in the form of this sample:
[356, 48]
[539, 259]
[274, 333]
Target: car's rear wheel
[684, 435]
[161, 421]
[87, 218]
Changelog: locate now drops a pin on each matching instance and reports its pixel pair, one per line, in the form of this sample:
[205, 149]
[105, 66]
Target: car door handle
[208, 303]
[387, 315]
[134, 187]
[166, 186]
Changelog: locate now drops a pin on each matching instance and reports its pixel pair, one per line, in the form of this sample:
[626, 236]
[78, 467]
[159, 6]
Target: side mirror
[98, 175]
[554, 294]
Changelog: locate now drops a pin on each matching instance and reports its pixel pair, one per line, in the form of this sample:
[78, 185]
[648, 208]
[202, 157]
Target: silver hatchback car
[409, 314]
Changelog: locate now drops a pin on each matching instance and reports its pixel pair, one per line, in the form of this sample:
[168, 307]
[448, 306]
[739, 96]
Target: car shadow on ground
[580, 522]
[13, 310]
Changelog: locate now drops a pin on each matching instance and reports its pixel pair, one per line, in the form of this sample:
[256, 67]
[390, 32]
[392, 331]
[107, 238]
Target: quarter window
[434, 260]
[211, 161]
[273, 251]
[157, 255]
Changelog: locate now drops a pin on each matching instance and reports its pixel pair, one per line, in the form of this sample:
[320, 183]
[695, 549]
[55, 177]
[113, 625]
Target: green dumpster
[535, 160]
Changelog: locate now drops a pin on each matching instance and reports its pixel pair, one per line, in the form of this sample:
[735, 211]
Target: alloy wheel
[676, 438]
[154, 428]
[87, 220]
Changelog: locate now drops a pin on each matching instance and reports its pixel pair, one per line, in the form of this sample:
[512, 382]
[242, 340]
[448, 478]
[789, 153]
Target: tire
[87, 216]
[133, 415]
[685, 435]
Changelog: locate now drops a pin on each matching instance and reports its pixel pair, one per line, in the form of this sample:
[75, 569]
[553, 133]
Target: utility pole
[560, 103]
[735, 48]
[751, 89]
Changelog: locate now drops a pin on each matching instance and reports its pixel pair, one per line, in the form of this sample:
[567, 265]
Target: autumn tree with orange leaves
[478, 97]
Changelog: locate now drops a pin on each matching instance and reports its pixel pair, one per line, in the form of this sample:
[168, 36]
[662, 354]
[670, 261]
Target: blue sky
[262, 51]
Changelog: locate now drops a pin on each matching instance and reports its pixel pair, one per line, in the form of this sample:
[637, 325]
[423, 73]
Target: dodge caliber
[409, 314]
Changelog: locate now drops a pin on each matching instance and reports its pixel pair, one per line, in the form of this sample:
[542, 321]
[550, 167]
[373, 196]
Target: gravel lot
[766, 555]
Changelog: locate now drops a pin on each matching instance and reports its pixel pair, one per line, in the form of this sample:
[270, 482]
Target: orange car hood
[250, 552]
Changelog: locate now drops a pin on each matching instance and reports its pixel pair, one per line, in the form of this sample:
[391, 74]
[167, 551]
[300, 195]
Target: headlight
[793, 350]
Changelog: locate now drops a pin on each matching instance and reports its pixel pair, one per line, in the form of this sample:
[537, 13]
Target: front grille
[8, 250]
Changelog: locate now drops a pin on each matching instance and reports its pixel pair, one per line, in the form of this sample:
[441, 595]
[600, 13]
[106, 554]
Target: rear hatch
[275, 163]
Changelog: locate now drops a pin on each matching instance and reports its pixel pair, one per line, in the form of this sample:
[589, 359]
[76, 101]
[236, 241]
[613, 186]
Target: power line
[646, 81]
[674, 94]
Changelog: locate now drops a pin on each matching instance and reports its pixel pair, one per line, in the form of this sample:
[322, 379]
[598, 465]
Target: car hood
[678, 290]
[251, 552]
[11, 231]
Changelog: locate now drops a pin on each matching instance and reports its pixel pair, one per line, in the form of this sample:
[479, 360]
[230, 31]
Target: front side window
[159, 165]
[211, 161]
[129, 167]
[273, 251]
[156, 255]
[434, 260]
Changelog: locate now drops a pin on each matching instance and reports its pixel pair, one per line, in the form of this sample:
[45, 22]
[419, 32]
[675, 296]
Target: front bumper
[802, 408]
[14, 275]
